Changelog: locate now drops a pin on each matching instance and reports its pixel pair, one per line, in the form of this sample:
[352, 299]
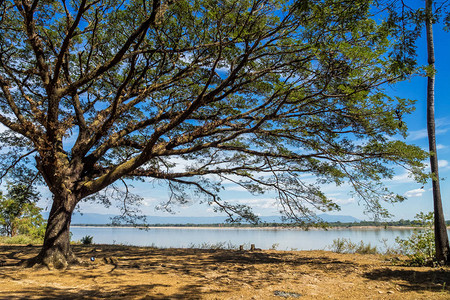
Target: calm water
[286, 239]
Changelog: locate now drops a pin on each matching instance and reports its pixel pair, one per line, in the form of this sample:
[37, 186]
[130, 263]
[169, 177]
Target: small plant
[87, 240]
[20, 239]
[275, 246]
[420, 247]
[366, 248]
[343, 245]
[389, 250]
[214, 246]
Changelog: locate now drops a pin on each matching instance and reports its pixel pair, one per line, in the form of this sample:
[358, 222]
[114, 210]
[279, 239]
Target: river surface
[264, 238]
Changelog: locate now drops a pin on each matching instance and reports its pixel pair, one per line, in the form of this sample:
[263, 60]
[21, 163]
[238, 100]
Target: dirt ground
[123, 272]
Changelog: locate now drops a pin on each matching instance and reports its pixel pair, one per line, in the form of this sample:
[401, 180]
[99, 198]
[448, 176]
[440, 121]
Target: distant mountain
[87, 218]
[324, 217]
[337, 218]
[100, 219]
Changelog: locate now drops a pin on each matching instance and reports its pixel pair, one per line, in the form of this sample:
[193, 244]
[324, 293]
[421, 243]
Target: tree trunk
[440, 229]
[13, 230]
[56, 251]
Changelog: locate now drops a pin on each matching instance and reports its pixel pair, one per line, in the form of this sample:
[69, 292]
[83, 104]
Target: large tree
[19, 213]
[440, 228]
[253, 92]
[409, 23]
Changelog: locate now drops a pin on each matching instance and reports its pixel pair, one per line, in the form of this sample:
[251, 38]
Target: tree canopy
[253, 92]
[19, 213]
[408, 23]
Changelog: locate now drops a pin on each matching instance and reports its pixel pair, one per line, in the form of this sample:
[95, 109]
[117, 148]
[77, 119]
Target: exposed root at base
[55, 260]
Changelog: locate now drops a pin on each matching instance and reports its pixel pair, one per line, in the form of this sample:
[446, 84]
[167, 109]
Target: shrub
[343, 245]
[20, 239]
[214, 246]
[420, 247]
[87, 240]
[19, 213]
[366, 248]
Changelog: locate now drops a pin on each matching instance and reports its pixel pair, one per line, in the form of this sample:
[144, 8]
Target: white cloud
[443, 163]
[235, 188]
[440, 146]
[417, 134]
[344, 201]
[405, 177]
[150, 201]
[256, 202]
[442, 122]
[442, 126]
[414, 193]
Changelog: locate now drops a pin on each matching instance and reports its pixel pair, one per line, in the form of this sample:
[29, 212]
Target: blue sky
[419, 199]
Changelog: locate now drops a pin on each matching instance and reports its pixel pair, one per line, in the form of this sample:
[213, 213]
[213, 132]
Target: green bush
[420, 247]
[87, 240]
[343, 245]
[19, 214]
[214, 246]
[20, 239]
[366, 248]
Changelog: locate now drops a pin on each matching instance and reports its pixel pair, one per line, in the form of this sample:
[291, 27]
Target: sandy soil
[122, 272]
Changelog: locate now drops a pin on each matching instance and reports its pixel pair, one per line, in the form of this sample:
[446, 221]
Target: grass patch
[347, 246]
[20, 240]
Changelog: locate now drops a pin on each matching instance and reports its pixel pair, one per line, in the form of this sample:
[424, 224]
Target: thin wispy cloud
[443, 164]
[414, 193]
[417, 134]
[264, 203]
[235, 188]
[344, 201]
[405, 177]
[442, 127]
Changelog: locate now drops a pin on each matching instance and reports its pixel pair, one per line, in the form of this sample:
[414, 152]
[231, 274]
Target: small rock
[286, 294]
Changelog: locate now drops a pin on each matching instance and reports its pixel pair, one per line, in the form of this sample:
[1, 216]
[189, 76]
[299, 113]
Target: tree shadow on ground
[280, 258]
[437, 280]
[11, 255]
[123, 260]
[116, 265]
[125, 292]
[169, 260]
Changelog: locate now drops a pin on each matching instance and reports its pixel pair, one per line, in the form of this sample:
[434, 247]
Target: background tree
[409, 23]
[251, 92]
[440, 228]
[19, 213]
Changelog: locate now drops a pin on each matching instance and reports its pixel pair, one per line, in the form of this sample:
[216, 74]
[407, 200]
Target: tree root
[53, 260]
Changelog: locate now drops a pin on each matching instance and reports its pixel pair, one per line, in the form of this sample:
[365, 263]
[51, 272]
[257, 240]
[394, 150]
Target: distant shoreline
[201, 226]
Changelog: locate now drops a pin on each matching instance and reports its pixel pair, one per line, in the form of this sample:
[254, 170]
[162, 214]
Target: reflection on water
[286, 239]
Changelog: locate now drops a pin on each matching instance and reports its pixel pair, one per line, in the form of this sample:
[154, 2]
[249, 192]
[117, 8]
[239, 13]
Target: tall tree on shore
[410, 22]
[440, 228]
[253, 92]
